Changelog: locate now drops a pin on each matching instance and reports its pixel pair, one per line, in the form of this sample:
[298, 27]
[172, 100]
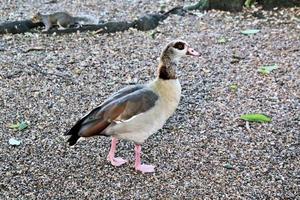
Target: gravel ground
[203, 152]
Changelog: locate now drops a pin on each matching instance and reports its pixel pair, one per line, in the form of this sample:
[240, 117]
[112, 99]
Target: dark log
[150, 21]
[18, 26]
[269, 4]
[145, 23]
[108, 27]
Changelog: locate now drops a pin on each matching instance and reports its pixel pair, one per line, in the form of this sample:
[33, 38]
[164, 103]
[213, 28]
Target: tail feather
[74, 132]
[73, 139]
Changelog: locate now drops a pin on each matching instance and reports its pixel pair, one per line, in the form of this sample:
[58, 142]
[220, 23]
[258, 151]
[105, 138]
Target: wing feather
[121, 106]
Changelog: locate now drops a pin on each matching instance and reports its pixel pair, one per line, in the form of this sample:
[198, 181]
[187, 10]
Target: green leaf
[250, 31]
[163, 7]
[233, 87]
[23, 125]
[222, 40]
[267, 69]
[14, 126]
[14, 142]
[256, 118]
[249, 3]
[228, 166]
[154, 33]
[19, 126]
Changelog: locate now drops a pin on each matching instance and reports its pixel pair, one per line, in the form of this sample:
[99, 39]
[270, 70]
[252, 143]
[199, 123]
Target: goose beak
[192, 52]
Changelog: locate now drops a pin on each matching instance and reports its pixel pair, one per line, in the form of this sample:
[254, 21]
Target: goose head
[176, 50]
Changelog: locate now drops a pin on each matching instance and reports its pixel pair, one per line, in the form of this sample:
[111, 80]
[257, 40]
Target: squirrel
[62, 19]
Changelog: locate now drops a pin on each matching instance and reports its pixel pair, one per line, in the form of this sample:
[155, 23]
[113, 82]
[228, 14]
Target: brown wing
[118, 108]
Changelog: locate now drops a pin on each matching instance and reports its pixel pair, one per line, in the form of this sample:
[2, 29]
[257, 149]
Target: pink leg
[138, 166]
[111, 155]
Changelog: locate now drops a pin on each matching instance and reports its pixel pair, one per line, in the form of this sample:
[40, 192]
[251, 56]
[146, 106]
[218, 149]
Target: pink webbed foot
[111, 156]
[117, 161]
[138, 166]
[145, 168]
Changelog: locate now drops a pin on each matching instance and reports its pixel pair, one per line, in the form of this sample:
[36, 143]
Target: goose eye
[179, 45]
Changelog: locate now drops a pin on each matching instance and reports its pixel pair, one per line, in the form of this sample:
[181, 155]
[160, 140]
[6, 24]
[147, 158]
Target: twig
[248, 127]
[11, 75]
[51, 1]
[44, 72]
[34, 49]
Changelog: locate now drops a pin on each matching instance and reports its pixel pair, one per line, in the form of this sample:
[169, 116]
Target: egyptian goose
[136, 112]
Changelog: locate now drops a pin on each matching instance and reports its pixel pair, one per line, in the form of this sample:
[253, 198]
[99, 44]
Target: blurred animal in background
[61, 19]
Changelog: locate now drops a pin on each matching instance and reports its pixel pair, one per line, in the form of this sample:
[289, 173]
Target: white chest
[169, 92]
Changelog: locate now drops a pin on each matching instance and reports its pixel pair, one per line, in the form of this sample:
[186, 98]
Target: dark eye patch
[179, 45]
